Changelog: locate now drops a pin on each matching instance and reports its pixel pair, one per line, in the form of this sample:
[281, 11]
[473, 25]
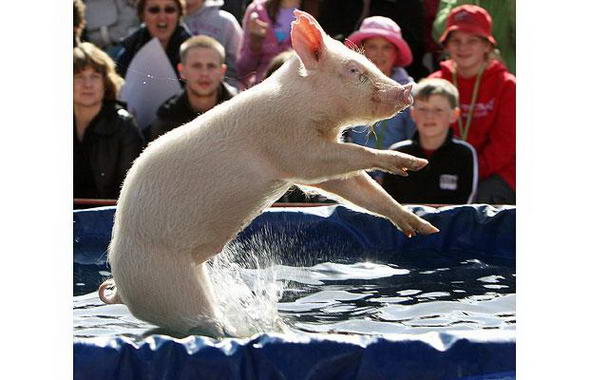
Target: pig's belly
[196, 220]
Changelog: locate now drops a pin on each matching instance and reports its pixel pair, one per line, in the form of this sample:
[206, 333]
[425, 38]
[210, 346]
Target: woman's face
[467, 50]
[161, 18]
[88, 87]
[382, 53]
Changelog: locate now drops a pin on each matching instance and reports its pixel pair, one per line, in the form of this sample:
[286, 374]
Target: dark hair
[86, 55]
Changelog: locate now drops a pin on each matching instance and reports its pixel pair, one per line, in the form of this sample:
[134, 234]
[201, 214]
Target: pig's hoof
[414, 163]
[411, 225]
[402, 162]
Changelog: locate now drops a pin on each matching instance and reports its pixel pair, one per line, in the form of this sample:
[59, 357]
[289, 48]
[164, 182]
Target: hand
[257, 31]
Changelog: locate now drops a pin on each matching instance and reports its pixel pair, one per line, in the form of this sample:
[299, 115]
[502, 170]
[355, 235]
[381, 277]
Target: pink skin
[112, 298]
[285, 130]
[395, 95]
[161, 25]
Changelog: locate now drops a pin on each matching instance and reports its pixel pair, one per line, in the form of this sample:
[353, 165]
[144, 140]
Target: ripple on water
[344, 298]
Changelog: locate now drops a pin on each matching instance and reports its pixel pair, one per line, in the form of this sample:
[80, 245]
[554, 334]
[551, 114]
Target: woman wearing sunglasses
[161, 20]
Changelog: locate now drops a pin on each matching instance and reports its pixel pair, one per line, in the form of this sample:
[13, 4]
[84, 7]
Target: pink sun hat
[380, 26]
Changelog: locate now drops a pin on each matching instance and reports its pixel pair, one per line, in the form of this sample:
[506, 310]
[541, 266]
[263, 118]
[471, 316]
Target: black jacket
[111, 143]
[177, 111]
[134, 42]
[451, 177]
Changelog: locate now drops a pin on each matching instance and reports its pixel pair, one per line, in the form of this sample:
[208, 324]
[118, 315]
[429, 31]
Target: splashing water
[272, 285]
[247, 298]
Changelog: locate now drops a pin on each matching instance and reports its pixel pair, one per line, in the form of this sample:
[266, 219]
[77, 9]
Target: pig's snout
[401, 95]
[406, 97]
[396, 97]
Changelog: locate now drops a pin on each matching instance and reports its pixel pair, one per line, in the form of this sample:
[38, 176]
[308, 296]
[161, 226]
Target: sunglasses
[168, 10]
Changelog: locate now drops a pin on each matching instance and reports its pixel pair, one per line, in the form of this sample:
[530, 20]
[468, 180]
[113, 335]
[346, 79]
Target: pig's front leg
[363, 191]
[325, 160]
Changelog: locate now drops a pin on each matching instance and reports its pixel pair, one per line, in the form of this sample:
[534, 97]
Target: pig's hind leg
[363, 191]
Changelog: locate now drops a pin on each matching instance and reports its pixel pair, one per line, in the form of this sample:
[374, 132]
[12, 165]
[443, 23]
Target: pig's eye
[356, 72]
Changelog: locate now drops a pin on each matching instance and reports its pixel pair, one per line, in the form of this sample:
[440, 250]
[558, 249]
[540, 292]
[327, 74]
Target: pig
[195, 188]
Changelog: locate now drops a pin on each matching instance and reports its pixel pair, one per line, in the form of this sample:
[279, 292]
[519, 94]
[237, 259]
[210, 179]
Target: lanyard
[475, 94]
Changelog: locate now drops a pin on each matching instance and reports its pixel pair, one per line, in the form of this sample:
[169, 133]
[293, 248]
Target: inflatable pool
[363, 301]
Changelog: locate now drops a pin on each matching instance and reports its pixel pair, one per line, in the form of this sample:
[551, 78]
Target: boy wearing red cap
[487, 100]
[381, 41]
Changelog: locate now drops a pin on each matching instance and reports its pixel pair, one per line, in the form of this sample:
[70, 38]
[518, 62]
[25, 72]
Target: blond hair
[201, 41]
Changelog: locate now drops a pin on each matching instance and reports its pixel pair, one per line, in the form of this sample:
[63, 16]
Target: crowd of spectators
[459, 55]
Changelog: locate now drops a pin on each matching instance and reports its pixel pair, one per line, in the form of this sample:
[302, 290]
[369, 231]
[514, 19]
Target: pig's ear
[307, 39]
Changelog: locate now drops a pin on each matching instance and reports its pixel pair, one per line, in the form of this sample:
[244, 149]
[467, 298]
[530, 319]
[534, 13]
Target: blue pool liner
[479, 232]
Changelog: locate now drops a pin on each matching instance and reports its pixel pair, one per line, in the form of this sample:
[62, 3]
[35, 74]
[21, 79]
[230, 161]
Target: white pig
[193, 189]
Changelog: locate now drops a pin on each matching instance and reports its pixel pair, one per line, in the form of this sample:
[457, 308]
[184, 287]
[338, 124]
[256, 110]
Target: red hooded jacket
[492, 130]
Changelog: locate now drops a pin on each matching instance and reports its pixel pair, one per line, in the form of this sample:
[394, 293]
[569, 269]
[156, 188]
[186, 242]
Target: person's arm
[249, 54]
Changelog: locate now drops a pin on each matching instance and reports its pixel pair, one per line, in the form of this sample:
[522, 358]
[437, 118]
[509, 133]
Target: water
[336, 298]
[415, 293]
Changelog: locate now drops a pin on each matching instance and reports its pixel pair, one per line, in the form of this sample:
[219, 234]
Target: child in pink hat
[381, 41]
[379, 34]
[487, 100]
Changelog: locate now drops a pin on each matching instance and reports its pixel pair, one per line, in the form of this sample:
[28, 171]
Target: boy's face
[433, 116]
[382, 53]
[203, 71]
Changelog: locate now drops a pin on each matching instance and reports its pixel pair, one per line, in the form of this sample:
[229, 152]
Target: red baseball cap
[470, 19]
